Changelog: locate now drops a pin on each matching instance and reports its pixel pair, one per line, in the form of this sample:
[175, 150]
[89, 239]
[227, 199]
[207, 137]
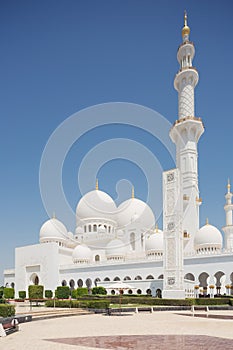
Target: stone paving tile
[150, 342]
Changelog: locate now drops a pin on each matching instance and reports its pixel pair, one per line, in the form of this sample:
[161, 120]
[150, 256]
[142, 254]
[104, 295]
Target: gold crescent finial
[54, 215]
[207, 221]
[156, 228]
[133, 192]
[185, 29]
[97, 184]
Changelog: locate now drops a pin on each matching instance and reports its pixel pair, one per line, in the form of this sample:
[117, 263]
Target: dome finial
[97, 184]
[185, 29]
[156, 228]
[54, 215]
[132, 192]
[229, 186]
[207, 221]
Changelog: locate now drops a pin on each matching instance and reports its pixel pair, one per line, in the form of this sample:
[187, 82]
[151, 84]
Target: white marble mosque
[123, 243]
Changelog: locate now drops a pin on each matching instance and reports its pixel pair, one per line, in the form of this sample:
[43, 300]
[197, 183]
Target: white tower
[185, 133]
[228, 229]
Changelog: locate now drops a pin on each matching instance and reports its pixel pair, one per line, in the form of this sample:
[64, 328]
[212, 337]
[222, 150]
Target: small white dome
[136, 210]
[82, 253]
[70, 235]
[115, 248]
[154, 242]
[208, 236]
[53, 229]
[79, 230]
[96, 204]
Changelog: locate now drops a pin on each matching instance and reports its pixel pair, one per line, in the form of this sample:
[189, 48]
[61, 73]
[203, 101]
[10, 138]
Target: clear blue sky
[58, 57]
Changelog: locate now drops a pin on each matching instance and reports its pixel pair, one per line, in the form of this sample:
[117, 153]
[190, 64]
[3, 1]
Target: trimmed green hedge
[35, 292]
[22, 294]
[212, 301]
[81, 291]
[48, 293]
[99, 291]
[95, 304]
[9, 293]
[62, 292]
[7, 310]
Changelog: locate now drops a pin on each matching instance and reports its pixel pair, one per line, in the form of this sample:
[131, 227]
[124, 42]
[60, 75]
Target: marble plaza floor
[158, 330]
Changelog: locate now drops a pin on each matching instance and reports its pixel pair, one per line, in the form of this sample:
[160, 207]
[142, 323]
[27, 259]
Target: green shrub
[98, 304]
[48, 293]
[7, 310]
[212, 301]
[95, 304]
[22, 294]
[35, 292]
[9, 293]
[62, 292]
[1, 293]
[81, 291]
[99, 290]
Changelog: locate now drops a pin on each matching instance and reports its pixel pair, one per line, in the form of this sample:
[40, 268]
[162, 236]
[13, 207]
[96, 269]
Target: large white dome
[53, 229]
[115, 248]
[154, 242]
[135, 210]
[82, 253]
[208, 236]
[96, 204]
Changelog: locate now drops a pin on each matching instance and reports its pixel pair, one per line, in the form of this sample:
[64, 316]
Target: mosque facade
[112, 244]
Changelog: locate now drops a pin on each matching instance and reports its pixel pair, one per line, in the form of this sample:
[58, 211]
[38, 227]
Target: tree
[22, 294]
[48, 293]
[62, 292]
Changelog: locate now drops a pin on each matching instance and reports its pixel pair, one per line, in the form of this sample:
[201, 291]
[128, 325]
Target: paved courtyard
[159, 330]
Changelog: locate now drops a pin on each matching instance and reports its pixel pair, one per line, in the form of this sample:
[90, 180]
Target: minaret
[185, 133]
[228, 229]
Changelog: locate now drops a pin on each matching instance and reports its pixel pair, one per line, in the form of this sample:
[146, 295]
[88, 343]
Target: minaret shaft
[185, 133]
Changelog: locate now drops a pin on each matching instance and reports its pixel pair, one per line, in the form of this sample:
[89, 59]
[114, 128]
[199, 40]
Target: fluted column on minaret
[185, 133]
[228, 229]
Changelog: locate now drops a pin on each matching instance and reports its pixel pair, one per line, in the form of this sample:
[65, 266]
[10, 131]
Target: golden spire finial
[54, 215]
[156, 228]
[207, 221]
[133, 192]
[97, 184]
[185, 29]
[185, 18]
[229, 185]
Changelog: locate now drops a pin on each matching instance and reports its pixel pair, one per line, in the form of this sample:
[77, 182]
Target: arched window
[88, 283]
[160, 277]
[96, 281]
[85, 228]
[189, 276]
[80, 283]
[64, 283]
[12, 285]
[95, 228]
[148, 291]
[116, 278]
[127, 278]
[150, 277]
[138, 278]
[97, 258]
[139, 291]
[89, 228]
[107, 279]
[72, 284]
